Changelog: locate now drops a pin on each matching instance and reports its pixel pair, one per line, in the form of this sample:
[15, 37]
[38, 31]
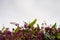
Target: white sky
[27, 10]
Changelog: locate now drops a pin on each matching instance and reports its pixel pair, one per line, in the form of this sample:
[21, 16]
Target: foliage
[28, 32]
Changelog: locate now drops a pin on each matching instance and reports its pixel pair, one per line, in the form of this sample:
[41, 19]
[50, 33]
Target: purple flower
[58, 29]
[2, 37]
[19, 33]
[40, 35]
[0, 32]
[25, 25]
[47, 29]
[16, 24]
[8, 33]
[29, 36]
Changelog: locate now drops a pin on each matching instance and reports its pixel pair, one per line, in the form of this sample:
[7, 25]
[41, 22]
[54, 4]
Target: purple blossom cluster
[29, 32]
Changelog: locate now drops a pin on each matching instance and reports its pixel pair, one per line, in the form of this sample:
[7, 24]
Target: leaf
[58, 35]
[3, 28]
[52, 36]
[54, 25]
[16, 30]
[47, 36]
[32, 23]
[37, 26]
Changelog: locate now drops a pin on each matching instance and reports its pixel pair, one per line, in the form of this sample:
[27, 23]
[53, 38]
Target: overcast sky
[27, 10]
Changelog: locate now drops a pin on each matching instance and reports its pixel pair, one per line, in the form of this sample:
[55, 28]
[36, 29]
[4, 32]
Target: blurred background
[27, 10]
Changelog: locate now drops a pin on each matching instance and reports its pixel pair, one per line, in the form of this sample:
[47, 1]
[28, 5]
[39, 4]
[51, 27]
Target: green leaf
[32, 23]
[3, 28]
[37, 26]
[47, 36]
[52, 36]
[58, 35]
[16, 30]
[54, 25]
